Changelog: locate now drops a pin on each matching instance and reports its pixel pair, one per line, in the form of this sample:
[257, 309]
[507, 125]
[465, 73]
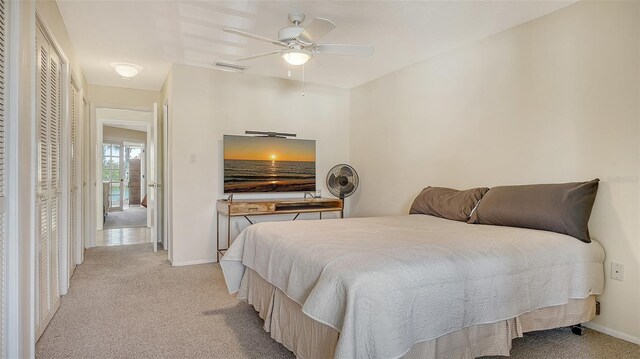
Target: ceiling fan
[301, 43]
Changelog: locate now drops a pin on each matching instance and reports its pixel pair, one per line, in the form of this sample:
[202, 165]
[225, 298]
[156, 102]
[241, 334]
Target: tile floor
[120, 236]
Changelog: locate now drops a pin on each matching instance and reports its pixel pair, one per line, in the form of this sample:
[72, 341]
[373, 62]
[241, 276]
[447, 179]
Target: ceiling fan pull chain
[303, 80]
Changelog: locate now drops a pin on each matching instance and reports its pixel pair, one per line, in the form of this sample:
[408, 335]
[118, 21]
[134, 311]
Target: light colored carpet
[127, 302]
[135, 216]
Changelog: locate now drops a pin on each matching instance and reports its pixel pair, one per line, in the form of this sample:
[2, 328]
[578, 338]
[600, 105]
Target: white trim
[12, 297]
[166, 174]
[21, 181]
[613, 333]
[87, 222]
[153, 201]
[20, 97]
[191, 263]
[65, 166]
[31, 180]
[79, 254]
[94, 201]
[147, 170]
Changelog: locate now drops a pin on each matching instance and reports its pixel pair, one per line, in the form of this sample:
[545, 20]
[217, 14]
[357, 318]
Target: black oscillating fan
[342, 181]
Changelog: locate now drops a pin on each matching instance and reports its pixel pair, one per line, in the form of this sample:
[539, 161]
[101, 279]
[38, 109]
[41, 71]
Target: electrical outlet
[194, 158]
[617, 271]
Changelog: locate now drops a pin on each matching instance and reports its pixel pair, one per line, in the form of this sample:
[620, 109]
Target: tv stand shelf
[268, 206]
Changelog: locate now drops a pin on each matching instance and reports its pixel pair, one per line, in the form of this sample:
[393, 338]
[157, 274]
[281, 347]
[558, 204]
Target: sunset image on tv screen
[269, 164]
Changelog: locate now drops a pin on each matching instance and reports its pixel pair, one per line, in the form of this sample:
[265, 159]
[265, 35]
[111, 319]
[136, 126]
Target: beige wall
[206, 104]
[110, 133]
[553, 100]
[122, 97]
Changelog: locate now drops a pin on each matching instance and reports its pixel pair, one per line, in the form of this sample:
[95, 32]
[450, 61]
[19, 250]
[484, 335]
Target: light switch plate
[617, 271]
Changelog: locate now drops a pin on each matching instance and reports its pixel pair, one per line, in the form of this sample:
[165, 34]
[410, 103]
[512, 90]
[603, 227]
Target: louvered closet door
[48, 106]
[3, 184]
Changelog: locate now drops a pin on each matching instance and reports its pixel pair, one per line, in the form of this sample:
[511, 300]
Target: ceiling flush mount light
[126, 70]
[296, 57]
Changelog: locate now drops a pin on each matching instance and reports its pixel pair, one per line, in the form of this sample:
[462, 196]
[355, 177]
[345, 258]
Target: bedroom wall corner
[208, 103]
[553, 100]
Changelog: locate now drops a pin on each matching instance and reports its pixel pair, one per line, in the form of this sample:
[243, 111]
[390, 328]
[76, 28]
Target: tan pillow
[447, 203]
[563, 208]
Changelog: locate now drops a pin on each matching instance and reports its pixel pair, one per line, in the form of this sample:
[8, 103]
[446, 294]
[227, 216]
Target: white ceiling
[155, 34]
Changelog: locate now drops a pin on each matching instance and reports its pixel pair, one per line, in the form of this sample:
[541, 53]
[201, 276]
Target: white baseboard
[613, 333]
[191, 263]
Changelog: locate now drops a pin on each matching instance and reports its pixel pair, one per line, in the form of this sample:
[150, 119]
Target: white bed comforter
[387, 283]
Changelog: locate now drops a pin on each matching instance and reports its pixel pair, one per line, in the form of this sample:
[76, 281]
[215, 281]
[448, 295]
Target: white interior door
[166, 241]
[154, 174]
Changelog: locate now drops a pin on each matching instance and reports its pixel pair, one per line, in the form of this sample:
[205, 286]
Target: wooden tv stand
[269, 206]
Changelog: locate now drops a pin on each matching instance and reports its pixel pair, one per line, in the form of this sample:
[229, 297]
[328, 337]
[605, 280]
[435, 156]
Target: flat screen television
[268, 164]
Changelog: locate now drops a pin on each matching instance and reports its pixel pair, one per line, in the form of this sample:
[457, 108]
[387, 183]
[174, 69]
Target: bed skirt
[309, 339]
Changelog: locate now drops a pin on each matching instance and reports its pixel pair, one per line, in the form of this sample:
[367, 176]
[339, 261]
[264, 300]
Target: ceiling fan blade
[255, 37]
[259, 55]
[342, 49]
[316, 30]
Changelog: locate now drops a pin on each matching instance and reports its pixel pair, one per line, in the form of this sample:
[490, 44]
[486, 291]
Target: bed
[412, 286]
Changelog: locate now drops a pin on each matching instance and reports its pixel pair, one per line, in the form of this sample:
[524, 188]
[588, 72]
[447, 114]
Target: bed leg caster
[578, 329]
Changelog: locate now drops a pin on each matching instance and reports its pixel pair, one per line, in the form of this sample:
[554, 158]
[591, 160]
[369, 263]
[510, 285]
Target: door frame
[95, 163]
[166, 174]
[20, 112]
[86, 178]
[78, 255]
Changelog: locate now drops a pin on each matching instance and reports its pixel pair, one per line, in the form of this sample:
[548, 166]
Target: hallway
[127, 302]
[120, 236]
[133, 217]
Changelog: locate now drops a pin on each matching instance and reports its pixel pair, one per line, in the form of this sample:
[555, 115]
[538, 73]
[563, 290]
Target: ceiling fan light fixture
[296, 57]
[126, 70]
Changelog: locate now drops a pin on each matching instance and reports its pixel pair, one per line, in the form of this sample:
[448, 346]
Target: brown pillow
[563, 208]
[447, 203]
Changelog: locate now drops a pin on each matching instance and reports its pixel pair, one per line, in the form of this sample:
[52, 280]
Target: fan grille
[342, 180]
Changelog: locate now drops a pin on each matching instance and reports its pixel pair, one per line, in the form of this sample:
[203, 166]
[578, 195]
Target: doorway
[123, 175]
[123, 168]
